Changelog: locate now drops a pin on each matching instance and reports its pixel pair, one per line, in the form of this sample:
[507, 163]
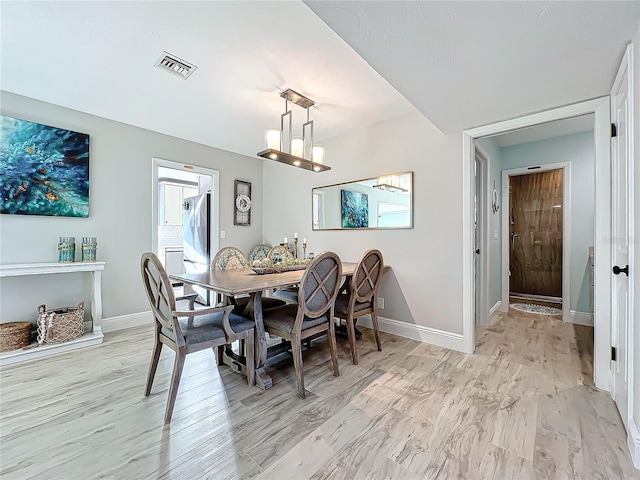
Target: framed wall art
[242, 203]
[355, 209]
[44, 170]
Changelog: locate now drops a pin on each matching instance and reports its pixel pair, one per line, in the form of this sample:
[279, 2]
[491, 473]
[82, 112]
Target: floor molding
[633, 440]
[130, 320]
[581, 318]
[496, 307]
[453, 341]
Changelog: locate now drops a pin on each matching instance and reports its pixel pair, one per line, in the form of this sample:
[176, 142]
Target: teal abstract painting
[355, 209]
[43, 170]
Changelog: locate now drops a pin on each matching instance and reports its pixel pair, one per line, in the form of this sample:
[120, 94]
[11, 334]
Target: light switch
[223, 234]
[495, 235]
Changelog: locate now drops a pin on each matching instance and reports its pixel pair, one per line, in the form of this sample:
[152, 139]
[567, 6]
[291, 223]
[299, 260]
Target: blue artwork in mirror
[355, 209]
[43, 170]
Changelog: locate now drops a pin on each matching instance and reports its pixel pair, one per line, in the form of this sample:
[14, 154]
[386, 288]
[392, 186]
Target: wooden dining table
[245, 281]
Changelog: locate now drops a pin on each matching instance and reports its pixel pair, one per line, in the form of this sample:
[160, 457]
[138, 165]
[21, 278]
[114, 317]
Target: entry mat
[532, 308]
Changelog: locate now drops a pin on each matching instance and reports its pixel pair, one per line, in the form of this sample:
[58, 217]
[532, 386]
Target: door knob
[477, 251]
[617, 270]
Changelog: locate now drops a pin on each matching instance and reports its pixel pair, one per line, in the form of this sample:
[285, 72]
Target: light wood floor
[522, 407]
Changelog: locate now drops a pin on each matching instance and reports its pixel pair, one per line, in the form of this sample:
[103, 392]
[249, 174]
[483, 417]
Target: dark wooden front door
[535, 250]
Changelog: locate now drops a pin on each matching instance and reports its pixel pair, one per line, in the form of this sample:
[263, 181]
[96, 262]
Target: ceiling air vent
[174, 65]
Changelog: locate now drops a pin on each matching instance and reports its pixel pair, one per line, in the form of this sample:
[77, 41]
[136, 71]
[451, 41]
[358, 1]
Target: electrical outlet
[381, 303]
[223, 234]
[495, 235]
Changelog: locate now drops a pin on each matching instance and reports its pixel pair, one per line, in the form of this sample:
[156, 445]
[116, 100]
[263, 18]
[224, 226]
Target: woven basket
[14, 335]
[60, 325]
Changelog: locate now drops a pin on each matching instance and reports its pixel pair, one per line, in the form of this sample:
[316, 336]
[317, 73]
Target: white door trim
[215, 199]
[602, 301]
[482, 288]
[566, 232]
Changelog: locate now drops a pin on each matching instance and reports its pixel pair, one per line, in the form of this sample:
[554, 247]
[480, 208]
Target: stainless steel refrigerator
[197, 241]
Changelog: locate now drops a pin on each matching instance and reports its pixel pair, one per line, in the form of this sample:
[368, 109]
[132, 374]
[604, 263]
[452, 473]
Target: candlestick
[295, 246]
[304, 248]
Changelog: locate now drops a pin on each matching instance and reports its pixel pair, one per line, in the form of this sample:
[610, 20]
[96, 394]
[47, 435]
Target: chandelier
[283, 147]
[391, 183]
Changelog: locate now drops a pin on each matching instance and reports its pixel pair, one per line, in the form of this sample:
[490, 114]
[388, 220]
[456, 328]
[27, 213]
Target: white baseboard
[581, 318]
[493, 309]
[126, 321]
[453, 341]
[633, 440]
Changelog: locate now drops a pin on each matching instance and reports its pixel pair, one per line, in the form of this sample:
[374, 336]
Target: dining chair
[357, 297]
[288, 294]
[312, 315]
[231, 258]
[189, 331]
[279, 253]
[259, 252]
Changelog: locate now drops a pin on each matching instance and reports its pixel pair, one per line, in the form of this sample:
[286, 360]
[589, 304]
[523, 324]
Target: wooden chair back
[319, 286]
[367, 277]
[229, 258]
[160, 294]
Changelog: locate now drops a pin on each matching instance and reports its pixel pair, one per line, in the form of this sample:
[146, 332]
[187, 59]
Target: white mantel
[90, 338]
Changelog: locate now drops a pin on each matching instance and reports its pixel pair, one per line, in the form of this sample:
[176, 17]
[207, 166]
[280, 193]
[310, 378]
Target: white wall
[424, 287]
[120, 211]
[577, 149]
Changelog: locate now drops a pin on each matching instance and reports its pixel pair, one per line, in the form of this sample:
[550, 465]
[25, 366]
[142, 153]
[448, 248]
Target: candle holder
[89, 246]
[304, 250]
[67, 250]
[295, 248]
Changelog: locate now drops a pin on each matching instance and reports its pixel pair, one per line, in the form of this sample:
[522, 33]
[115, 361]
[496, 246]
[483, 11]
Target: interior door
[535, 208]
[620, 221]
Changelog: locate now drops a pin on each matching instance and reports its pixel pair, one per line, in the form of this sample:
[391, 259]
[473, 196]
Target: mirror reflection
[372, 203]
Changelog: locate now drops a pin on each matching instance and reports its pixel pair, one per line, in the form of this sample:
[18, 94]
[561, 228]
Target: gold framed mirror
[384, 202]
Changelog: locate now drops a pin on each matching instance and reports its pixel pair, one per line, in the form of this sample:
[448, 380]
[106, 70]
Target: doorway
[602, 281]
[172, 184]
[536, 235]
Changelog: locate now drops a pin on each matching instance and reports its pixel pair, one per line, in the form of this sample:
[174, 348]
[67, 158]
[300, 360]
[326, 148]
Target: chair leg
[241, 347]
[175, 383]
[155, 357]
[249, 355]
[296, 349]
[219, 351]
[333, 348]
[376, 329]
[351, 334]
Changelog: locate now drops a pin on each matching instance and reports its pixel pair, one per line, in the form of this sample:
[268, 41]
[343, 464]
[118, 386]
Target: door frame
[214, 225]
[481, 289]
[566, 231]
[600, 107]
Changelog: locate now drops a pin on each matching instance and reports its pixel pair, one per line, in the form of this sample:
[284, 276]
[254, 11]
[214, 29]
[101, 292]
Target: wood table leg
[263, 380]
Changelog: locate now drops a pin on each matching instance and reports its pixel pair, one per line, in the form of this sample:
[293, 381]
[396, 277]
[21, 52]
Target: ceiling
[557, 128]
[98, 57]
[467, 64]
[462, 64]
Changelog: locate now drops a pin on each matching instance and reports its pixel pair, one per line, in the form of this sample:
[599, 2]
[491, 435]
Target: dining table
[231, 283]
